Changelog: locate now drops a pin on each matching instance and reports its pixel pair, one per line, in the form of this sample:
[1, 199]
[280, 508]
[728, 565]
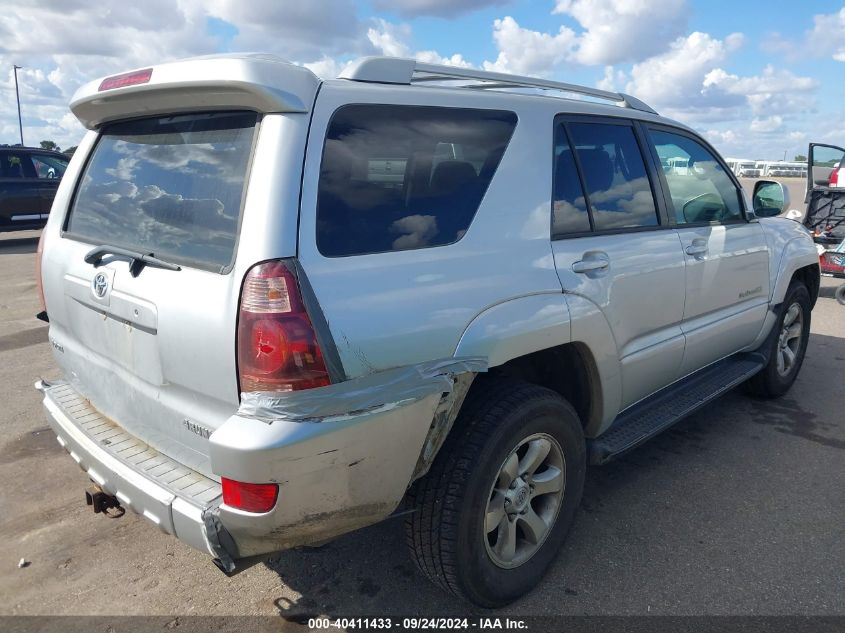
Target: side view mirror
[770, 198]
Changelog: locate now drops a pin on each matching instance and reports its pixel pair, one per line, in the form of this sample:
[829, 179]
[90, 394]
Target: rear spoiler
[261, 83]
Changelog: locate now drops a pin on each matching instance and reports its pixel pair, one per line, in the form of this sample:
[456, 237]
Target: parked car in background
[29, 178]
[308, 302]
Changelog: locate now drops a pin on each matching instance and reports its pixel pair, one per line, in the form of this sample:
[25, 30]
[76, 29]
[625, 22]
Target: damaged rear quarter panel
[343, 455]
[334, 476]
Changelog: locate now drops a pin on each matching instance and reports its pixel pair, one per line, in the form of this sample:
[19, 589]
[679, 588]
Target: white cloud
[440, 8]
[65, 43]
[61, 46]
[124, 170]
[612, 79]
[768, 125]
[526, 52]
[299, 30]
[391, 39]
[675, 79]
[746, 115]
[825, 39]
[624, 30]
[612, 31]
[433, 57]
[773, 91]
[326, 68]
[722, 138]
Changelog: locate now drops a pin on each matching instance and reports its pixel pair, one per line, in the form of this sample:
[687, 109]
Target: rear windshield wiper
[136, 260]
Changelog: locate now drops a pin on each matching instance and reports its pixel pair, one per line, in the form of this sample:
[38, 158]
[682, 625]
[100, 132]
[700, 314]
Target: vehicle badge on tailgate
[198, 429]
[100, 285]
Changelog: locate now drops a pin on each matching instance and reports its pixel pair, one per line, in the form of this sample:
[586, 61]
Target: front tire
[501, 495]
[840, 294]
[787, 349]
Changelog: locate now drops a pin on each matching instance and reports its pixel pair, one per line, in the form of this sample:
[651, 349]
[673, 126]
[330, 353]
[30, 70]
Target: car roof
[265, 83]
[39, 150]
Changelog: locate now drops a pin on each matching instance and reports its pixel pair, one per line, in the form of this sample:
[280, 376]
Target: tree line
[51, 145]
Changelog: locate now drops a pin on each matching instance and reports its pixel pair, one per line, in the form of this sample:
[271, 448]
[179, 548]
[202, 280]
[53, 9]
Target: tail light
[277, 346]
[39, 252]
[249, 497]
[834, 178]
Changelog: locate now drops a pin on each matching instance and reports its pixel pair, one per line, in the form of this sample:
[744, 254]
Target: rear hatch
[152, 343]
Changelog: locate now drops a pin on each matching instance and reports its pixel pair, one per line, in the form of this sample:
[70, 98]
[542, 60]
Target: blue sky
[757, 78]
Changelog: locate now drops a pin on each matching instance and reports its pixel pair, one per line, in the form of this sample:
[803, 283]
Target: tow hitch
[103, 502]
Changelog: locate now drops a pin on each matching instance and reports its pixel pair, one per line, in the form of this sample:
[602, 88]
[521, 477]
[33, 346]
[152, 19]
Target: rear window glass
[403, 177]
[170, 186]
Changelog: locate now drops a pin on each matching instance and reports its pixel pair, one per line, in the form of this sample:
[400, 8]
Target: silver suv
[285, 308]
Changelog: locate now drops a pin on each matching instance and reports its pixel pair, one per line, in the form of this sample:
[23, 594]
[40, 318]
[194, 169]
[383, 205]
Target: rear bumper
[335, 475]
[145, 481]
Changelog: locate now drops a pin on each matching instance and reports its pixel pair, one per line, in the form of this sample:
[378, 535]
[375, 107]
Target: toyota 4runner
[285, 306]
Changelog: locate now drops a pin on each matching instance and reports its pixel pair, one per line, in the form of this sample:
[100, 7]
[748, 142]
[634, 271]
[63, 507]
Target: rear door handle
[591, 263]
[698, 247]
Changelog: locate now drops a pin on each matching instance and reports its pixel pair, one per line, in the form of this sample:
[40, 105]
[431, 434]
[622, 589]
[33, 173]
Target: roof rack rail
[400, 70]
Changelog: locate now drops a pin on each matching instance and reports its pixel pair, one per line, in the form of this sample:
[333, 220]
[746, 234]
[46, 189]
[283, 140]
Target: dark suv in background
[29, 178]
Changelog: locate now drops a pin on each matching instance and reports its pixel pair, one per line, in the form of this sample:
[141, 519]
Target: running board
[646, 419]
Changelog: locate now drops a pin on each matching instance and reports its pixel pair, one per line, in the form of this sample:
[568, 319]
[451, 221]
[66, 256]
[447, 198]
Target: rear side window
[16, 165]
[569, 210]
[170, 186]
[615, 176]
[395, 178]
[49, 166]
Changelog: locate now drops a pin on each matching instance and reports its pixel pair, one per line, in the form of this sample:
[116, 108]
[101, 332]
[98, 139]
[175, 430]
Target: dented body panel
[334, 476]
[337, 472]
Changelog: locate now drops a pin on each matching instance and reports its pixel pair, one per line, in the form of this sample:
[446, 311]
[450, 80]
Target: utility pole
[18, 95]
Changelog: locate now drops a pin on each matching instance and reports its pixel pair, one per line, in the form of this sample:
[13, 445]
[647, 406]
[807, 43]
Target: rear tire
[840, 294]
[476, 530]
[787, 349]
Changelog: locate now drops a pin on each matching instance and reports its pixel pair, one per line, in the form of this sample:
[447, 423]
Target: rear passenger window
[701, 190]
[615, 177]
[16, 166]
[49, 166]
[569, 208]
[403, 177]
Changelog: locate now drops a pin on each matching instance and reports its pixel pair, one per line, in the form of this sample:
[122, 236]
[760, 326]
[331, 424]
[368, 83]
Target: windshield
[170, 186]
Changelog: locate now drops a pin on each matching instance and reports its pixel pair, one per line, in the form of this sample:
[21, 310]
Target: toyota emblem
[100, 284]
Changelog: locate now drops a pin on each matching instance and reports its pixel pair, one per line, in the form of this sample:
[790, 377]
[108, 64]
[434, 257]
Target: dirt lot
[737, 510]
